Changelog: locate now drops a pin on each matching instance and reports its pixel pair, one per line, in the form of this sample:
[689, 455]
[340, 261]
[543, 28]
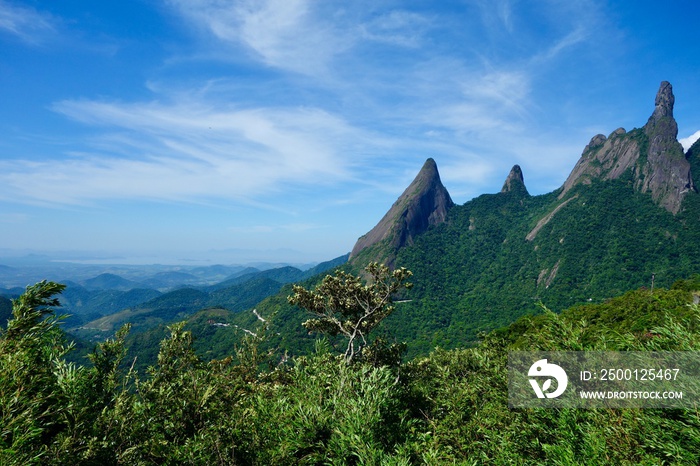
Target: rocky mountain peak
[515, 181]
[652, 156]
[664, 102]
[423, 204]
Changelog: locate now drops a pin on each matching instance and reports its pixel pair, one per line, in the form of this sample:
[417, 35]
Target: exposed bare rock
[515, 181]
[664, 104]
[545, 220]
[652, 156]
[423, 204]
[546, 276]
[596, 141]
[604, 158]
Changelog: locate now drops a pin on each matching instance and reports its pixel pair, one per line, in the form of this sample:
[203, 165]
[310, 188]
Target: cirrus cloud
[185, 151]
[28, 24]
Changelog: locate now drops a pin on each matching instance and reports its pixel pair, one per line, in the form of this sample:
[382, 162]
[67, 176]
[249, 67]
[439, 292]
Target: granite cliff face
[423, 204]
[651, 155]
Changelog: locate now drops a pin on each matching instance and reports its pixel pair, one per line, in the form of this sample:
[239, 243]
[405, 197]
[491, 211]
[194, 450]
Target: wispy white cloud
[506, 89]
[397, 27]
[449, 100]
[286, 34]
[304, 36]
[572, 38]
[496, 14]
[186, 151]
[26, 23]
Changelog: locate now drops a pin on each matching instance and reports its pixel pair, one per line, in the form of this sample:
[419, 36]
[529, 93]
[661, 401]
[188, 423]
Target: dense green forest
[257, 407]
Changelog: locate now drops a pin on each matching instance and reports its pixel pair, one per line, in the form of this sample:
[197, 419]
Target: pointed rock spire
[423, 204]
[664, 102]
[662, 127]
[515, 181]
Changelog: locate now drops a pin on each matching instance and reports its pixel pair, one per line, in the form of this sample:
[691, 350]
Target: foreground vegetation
[258, 408]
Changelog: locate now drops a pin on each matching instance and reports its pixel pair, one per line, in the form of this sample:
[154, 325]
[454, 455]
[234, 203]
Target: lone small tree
[343, 305]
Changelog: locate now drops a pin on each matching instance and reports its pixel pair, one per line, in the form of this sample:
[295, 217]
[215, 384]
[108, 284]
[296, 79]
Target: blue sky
[222, 131]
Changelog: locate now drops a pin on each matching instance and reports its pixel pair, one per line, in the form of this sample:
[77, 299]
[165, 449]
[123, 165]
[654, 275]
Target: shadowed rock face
[423, 204]
[651, 155]
[515, 181]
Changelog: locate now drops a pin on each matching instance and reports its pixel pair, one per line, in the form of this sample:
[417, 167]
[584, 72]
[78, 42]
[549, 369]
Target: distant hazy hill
[85, 303]
[693, 156]
[110, 281]
[164, 280]
[326, 266]
[149, 309]
[221, 271]
[280, 275]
